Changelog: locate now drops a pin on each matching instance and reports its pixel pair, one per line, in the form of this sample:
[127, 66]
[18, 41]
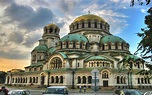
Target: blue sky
[22, 22]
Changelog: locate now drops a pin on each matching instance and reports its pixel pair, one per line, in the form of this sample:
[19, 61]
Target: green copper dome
[132, 57]
[112, 39]
[97, 58]
[41, 48]
[51, 50]
[51, 26]
[74, 37]
[89, 17]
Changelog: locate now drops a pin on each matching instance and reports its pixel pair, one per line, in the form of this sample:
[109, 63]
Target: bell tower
[51, 35]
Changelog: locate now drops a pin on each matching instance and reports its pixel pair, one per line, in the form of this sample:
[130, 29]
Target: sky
[22, 22]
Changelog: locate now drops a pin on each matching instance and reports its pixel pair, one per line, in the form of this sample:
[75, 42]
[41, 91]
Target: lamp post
[95, 81]
[73, 72]
[48, 78]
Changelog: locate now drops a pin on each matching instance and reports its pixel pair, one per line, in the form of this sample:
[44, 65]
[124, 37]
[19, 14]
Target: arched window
[30, 80]
[61, 79]
[81, 45]
[60, 45]
[51, 30]
[56, 30]
[105, 74]
[122, 46]
[109, 46]
[118, 79]
[33, 79]
[79, 79]
[36, 79]
[138, 64]
[138, 80]
[122, 80]
[74, 44]
[97, 64]
[21, 80]
[116, 45]
[67, 44]
[89, 24]
[56, 63]
[149, 81]
[142, 80]
[82, 24]
[89, 79]
[16, 80]
[52, 79]
[26, 80]
[145, 80]
[102, 46]
[100, 25]
[77, 26]
[57, 79]
[95, 24]
[83, 79]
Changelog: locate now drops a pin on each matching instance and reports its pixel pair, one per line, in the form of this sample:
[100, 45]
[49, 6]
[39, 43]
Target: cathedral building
[70, 60]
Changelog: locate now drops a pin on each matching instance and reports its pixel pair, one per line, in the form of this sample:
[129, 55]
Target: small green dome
[74, 37]
[51, 50]
[51, 26]
[41, 48]
[97, 58]
[133, 57]
[112, 39]
[89, 17]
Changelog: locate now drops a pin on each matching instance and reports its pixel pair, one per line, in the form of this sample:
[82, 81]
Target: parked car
[56, 90]
[148, 93]
[126, 92]
[19, 92]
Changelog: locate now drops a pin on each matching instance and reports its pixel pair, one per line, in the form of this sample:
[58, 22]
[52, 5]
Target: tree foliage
[149, 66]
[140, 2]
[145, 45]
[2, 77]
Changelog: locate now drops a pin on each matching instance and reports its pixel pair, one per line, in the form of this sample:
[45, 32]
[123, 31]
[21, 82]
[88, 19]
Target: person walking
[84, 88]
[3, 91]
[80, 89]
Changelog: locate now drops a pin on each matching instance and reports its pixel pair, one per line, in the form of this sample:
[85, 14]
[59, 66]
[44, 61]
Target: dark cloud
[14, 54]
[6, 2]
[27, 18]
[41, 2]
[31, 39]
[16, 37]
[67, 5]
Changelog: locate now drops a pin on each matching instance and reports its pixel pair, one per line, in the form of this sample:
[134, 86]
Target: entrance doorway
[42, 80]
[105, 83]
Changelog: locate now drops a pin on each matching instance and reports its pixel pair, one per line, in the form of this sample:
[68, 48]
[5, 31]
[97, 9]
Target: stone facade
[69, 60]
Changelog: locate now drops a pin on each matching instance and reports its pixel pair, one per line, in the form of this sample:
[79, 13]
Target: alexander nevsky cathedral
[71, 60]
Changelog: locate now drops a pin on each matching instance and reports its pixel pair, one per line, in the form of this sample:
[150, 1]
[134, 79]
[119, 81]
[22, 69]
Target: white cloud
[143, 10]
[65, 21]
[113, 17]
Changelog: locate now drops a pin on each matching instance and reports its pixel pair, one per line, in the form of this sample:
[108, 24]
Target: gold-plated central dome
[89, 17]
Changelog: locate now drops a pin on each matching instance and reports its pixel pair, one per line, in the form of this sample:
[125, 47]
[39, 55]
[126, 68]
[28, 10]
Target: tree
[128, 61]
[145, 45]
[140, 2]
[2, 77]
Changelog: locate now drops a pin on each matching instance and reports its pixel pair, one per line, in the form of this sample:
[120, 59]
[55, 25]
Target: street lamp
[73, 72]
[48, 78]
